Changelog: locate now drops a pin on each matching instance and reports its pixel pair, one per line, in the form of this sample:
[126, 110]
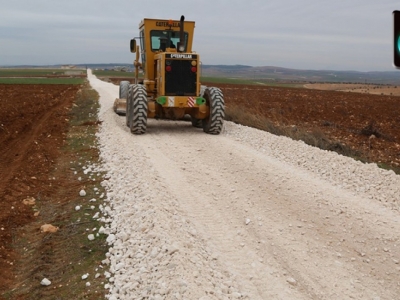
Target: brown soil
[33, 125]
[376, 89]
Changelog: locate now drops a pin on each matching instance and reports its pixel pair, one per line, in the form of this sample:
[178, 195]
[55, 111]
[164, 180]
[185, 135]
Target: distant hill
[293, 75]
[269, 73]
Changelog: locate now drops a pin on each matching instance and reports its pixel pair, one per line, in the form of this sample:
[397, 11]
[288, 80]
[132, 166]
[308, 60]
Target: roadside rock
[48, 228]
[29, 201]
[45, 282]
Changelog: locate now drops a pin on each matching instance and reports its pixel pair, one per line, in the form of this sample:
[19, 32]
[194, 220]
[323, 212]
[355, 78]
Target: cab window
[171, 38]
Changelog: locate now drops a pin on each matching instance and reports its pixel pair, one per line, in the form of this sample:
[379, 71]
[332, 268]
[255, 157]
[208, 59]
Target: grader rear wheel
[215, 100]
[123, 89]
[137, 112]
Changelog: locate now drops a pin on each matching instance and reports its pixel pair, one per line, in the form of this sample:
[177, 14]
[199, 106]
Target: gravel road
[242, 215]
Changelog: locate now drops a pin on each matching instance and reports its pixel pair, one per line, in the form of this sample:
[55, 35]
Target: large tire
[123, 94]
[137, 113]
[123, 89]
[215, 100]
[131, 91]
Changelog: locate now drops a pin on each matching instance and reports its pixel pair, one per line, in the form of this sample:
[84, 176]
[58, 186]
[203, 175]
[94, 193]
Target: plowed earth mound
[368, 124]
[33, 125]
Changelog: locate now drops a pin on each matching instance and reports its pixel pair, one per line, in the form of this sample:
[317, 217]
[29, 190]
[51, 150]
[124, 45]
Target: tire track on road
[219, 187]
[205, 196]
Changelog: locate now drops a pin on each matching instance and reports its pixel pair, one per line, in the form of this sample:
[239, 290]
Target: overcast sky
[301, 34]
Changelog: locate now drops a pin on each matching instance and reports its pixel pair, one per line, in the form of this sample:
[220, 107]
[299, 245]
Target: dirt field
[34, 121]
[375, 89]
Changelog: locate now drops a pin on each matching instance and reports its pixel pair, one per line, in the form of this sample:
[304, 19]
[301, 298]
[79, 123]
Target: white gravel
[242, 215]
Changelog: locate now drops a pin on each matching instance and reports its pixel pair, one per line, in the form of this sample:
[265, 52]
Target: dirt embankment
[368, 124]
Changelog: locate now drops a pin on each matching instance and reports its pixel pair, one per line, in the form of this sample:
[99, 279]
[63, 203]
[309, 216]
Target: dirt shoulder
[43, 138]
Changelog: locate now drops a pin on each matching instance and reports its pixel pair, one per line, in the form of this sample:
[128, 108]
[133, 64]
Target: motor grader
[170, 88]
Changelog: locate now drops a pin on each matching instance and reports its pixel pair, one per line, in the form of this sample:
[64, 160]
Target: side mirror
[133, 46]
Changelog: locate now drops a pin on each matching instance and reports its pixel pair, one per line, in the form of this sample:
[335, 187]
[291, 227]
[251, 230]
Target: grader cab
[170, 88]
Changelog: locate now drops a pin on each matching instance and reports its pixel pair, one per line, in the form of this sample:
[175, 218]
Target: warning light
[396, 38]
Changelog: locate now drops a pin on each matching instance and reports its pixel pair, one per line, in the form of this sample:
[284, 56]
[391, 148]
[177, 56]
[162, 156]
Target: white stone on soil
[45, 282]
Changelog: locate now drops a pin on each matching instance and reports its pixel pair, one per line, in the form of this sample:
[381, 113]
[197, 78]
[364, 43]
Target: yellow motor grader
[170, 88]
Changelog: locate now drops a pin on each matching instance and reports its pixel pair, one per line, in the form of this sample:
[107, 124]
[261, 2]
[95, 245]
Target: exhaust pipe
[181, 46]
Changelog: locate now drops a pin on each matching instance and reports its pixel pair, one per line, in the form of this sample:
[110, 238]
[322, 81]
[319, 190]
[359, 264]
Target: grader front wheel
[215, 100]
[130, 92]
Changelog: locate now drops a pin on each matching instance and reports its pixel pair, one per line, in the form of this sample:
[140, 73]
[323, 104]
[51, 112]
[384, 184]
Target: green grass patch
[227, 80]
[28, 80]
[38, 72]
[389, 167]
[109, 73]
[260, 82]
[84, 256]
[277, 84]
[18, 72]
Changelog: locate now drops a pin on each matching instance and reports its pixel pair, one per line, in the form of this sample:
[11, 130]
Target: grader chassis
[171, 87]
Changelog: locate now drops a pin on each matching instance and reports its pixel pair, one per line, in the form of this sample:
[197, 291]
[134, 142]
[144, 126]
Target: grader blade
[120, 106]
